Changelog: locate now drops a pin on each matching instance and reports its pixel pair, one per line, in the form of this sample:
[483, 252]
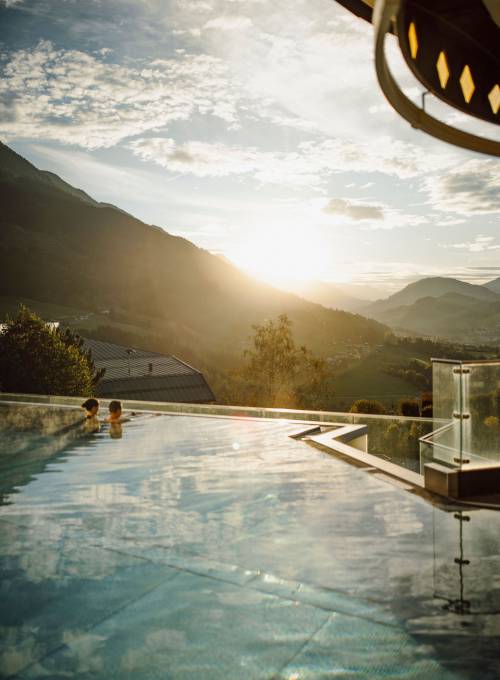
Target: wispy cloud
[80, 98]
[479, 244]
[355, 210]
[203, 159]
[229, 23]
[470, 188]
[310, 164]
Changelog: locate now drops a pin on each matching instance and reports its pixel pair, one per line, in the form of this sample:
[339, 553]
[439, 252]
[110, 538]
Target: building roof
[137, 374]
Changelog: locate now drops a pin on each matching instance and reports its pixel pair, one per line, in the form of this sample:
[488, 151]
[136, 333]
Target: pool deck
[219, 548]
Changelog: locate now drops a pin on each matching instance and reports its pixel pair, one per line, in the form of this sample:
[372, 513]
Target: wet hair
[115, 406]
[90, 403]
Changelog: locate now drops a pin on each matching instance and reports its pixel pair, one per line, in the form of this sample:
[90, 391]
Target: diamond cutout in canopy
[467, 84]
[442, 69]
[494, 97]
[413, 40]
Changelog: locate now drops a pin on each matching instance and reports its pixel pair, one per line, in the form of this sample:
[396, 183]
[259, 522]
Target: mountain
[326, 294]
[493, 285]
[59, 245]
[433, 287]
[453, 316]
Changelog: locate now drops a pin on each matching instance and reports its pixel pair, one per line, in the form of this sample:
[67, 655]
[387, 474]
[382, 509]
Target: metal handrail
[468, 362]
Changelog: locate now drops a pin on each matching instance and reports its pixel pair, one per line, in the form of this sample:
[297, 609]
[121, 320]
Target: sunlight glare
[280, 254]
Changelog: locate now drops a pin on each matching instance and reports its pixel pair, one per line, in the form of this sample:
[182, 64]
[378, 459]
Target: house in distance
[147, 376]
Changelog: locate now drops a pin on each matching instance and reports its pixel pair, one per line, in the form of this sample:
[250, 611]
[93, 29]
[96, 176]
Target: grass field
[67, 316]
[367, 379]
[49, 312]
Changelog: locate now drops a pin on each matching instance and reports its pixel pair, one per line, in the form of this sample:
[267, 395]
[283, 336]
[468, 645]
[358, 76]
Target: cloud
[372, 216]
[229, 23]
[88, 100]
[381, 155]
[310, 164]
[80, 98]
[472, 188]
[479, 245]
[394, 275]
[204, 159]
[354, 210]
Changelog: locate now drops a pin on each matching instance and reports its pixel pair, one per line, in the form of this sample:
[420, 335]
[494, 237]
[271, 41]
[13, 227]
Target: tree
[281, 374]
[368, 406]
[409, 407]
[315, 389]
[426, 405]
[36, 358]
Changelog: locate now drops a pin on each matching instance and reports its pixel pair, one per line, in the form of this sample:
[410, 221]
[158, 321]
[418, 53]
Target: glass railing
[467, 396]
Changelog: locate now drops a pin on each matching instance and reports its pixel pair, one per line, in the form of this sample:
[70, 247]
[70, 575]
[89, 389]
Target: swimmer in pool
[115, 412]
[115, 419]
[91, 408]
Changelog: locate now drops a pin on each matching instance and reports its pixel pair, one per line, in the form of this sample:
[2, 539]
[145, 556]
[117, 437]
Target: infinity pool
[199, 547]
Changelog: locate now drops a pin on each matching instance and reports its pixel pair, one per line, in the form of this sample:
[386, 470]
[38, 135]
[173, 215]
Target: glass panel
[468, 396]
[396, 439]
[481, 430]
[443, 389]
[445, 446]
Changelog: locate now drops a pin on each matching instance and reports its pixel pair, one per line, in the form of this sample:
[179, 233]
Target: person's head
[115, 409]
[91, 406]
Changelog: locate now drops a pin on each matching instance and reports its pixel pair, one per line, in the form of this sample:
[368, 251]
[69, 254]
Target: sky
[255, 129]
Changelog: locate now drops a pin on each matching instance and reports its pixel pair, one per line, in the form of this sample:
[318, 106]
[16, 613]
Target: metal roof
[109, 350]
[189, 389]
[147, 376]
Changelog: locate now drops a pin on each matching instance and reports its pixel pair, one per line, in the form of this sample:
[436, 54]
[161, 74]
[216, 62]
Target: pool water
[196, 547]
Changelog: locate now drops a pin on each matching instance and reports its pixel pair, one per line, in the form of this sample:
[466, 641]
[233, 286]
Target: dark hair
[90, 403]
[115, 406]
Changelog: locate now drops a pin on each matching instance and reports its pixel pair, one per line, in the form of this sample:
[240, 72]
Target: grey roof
[109, 350]
[146, 376]
[191, 389]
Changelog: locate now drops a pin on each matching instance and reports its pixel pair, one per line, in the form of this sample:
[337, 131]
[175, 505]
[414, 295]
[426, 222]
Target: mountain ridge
[493, 285]
[448, 316]
[59, 245]
[435, 286]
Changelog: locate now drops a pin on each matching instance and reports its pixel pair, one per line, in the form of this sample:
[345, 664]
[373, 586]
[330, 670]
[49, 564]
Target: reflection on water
[467, 562]
[91, 424]
[198, 547]
[115, 430]
[29, 437]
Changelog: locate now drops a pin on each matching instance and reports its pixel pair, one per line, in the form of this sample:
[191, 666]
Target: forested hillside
[58, 245]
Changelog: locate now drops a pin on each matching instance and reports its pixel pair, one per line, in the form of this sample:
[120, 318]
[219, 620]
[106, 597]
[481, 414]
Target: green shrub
[368, 406]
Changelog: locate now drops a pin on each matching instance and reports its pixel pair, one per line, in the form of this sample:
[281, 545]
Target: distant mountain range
[435, 306]
[493, 285]
[431, 287]
[444, 307]
[59, 245]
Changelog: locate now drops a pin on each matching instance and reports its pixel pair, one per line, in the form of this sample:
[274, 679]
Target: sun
[281, 254]
[274, 256]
